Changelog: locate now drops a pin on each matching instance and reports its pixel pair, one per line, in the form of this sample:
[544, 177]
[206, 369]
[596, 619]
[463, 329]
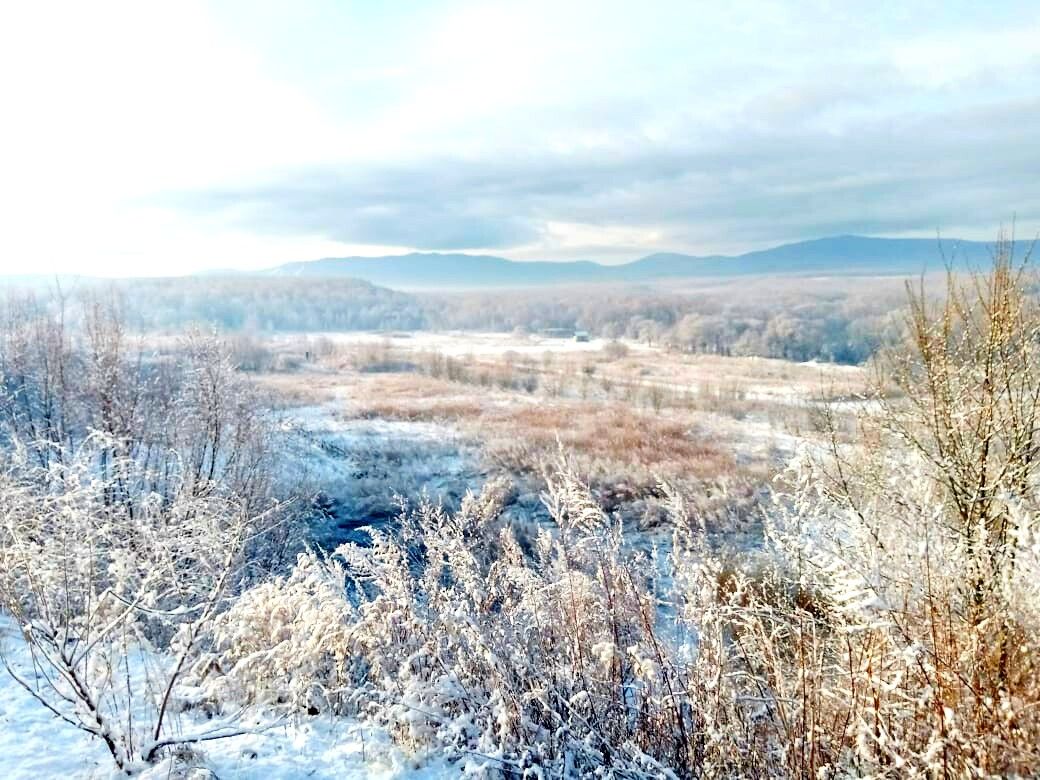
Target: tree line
[834, 320]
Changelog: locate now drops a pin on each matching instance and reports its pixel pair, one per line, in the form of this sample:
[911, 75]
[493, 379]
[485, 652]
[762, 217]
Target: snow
[758, 439]
[457, 343]
[34, 744]
[323, 747]
[362, 466]
[836, 367]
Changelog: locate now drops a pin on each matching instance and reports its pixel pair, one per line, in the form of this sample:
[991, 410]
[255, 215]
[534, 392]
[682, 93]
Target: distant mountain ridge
[854, 255]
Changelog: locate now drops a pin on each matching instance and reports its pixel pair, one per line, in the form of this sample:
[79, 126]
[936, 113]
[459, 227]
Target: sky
[146, 138]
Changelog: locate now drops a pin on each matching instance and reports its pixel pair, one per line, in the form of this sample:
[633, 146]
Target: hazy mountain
[448, 270]
[835, 255]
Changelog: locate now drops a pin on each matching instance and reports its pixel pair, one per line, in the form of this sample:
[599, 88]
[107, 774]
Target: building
[557, 333]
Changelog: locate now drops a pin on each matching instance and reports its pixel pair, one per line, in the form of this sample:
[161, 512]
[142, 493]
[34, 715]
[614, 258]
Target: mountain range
[852, 255]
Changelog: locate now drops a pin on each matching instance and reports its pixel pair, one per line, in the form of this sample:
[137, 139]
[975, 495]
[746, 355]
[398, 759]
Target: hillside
[434, 269]
[834, 255]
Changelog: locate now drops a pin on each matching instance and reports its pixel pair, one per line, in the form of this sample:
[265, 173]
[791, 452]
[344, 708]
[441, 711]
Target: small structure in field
[557, 333]
[581, 335]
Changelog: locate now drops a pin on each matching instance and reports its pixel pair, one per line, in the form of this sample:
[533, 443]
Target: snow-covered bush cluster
[853, 651]
[546, 659]
[136, 499]
[176, 406]
[288, 642]
[895, 663]
[112, 595]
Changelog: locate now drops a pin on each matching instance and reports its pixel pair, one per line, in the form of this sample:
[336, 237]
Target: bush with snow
[851, 649]
[557, 658]
[287, 642]
[136, 499]
[112, 596]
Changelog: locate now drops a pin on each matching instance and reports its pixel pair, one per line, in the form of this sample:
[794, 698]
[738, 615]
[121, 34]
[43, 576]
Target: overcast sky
[153, 138]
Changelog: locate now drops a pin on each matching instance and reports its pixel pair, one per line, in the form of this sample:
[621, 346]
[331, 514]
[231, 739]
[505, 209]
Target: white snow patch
[458, 343]
[35, 745]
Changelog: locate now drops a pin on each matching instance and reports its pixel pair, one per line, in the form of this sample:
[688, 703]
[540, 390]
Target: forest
[836, 319]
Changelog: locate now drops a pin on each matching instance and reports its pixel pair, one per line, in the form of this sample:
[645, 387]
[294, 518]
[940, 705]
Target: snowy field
[457, 343]
[363, 468]
[518, 392]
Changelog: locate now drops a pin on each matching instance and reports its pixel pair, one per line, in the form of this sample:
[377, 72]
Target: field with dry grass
[631, 416]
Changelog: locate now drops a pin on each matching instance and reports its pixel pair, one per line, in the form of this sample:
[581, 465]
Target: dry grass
[631, 442]
[302, 388]
[411, 397]
[611, 438]
[712, 442]
[649, 377]
[575, 656]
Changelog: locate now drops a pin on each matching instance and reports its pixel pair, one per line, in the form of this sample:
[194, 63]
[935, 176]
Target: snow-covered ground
[759, 440]
[457, 343]
[362, 466]
[35, 745]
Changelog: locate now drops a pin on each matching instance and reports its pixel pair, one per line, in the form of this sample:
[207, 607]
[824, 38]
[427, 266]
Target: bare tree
[964, 392]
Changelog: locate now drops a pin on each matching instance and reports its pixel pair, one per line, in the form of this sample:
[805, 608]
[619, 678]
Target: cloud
[951, 169]
[210, 134]
[969, 56]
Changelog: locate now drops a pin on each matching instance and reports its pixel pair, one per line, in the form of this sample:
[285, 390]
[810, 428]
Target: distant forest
[840, 320]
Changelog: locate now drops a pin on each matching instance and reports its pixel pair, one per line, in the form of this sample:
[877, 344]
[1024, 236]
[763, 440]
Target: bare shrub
[615, 350]
[920, 539]
[110, 602]
[967, 400]
[182, 411]
[137, 495]
[892, 672]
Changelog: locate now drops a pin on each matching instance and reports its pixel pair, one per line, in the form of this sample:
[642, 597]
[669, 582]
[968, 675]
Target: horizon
[520, 130]
[947, 244]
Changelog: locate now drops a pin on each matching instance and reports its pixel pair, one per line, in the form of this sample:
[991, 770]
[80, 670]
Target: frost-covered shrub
[113, 592]
[287, 641]
[851, 649]
[137, 497]
[558, 658]
[919, 546]
[178, 408]
[897, 667]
